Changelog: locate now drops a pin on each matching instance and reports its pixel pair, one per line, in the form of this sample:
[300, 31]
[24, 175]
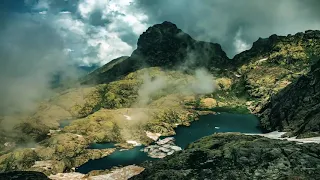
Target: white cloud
[110, 46]
[239, 43]
[123, 19]
[90, 44]
[65, 12]
[43, 12]
[86, 7]
[41, 5]
[67, 24]
[119, 12]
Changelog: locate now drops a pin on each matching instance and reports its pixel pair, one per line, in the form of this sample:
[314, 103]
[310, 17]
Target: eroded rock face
[228, 156]
[297, 107]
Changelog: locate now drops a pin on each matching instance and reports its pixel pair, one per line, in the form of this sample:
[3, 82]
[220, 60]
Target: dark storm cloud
[130, 38]
[235, 24]
[97, 19]
[94, 31]
[63, 5]
[52, 5]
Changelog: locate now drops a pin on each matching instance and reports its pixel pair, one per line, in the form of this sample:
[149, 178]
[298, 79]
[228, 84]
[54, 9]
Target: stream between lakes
[206, 125]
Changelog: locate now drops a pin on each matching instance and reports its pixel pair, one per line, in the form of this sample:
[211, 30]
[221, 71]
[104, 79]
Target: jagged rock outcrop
[163, 45]
[229, 156]
[166, 45]
[297, 107]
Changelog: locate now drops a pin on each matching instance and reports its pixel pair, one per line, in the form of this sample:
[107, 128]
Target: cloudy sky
[40, 37]
[97, 31]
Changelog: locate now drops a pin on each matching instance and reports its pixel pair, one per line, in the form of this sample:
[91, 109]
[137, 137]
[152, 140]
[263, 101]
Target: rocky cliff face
[230, 156]
[296, 108]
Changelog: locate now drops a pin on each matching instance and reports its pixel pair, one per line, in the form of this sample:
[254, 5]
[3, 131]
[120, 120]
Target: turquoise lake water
[206, 125]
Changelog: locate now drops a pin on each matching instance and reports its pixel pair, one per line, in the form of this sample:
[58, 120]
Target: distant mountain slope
[283, 49]
[100, 74]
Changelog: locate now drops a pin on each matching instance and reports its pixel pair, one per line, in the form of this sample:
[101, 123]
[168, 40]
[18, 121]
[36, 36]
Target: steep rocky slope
[297, 107]
[273, 63]
[234, 156]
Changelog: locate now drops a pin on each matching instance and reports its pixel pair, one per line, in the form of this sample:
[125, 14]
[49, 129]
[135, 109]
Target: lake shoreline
[207, 124]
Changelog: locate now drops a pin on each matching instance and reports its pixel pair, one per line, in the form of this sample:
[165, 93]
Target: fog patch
[200, 82]
[31, 54]
[203, 82]
[239, 44]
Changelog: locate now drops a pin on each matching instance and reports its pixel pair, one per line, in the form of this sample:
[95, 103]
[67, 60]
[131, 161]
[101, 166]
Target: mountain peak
[166, 45]
[167, 24]
[164, 33]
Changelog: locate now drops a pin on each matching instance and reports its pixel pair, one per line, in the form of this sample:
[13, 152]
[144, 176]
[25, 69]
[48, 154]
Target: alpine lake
[206, 125]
